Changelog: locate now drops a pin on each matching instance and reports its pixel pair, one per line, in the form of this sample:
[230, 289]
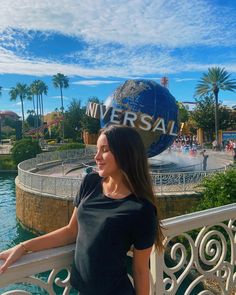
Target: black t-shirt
[106, 230]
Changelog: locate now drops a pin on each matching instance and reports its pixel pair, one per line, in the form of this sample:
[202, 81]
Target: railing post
[160, 175]
[71, 188]
[41, 185]
[184, 187]
[55, 186]
[62, 166]
[157, 270]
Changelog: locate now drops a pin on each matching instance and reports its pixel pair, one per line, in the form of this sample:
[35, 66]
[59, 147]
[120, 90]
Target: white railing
[67, 154]
[180, 181]
[62, 186]
[54, 260]
[59, 186]
[200, 248]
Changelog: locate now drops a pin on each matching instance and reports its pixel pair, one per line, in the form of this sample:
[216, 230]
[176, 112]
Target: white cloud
[166, 23]
[128, 64]
[228, 102]
[200, 67]
[184, 79]
[122, 38]
[94, 82]
[12, 64]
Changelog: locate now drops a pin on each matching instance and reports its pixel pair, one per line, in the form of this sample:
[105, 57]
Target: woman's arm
[60, 237]
[141, 271]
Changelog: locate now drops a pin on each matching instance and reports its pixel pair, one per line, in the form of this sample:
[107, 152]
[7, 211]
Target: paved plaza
[216, 160]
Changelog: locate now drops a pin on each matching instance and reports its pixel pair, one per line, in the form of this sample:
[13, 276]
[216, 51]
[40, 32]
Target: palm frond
[214, 80]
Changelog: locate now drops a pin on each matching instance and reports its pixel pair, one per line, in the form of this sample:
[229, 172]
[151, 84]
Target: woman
[114, 209]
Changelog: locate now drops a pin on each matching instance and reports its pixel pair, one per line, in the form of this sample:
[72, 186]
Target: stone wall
[176, 204]
[41, 213]
[45, 213]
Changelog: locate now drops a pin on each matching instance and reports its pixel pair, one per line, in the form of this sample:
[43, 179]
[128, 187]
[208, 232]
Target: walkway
[5, 149]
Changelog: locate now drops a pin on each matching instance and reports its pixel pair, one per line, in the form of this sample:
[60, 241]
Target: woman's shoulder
[91, 178]
[87, 186]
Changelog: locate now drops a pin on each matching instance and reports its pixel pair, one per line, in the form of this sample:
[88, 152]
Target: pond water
[11, 232]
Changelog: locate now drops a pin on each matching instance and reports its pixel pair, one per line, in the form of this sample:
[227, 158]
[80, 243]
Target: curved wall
[42, 213]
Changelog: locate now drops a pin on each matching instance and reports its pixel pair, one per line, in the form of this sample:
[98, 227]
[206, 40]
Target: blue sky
[99, 44]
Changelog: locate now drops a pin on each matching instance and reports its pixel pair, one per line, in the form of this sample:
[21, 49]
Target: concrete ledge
[42, 166]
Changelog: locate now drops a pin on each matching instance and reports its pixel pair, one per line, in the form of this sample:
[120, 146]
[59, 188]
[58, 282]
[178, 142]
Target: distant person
[204, 162]
[214, 145]
[234, 151]
[114, 210]
[224, 144]
[235, 156]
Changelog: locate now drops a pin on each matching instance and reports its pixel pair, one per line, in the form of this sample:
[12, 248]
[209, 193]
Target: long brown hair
[129, 151]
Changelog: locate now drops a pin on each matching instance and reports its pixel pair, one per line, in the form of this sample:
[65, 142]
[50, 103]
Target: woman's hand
[10, 256]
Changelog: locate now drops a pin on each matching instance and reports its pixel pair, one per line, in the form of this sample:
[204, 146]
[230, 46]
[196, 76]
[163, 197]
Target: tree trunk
[216, 118]
[23, 116]
[42, 115]
[37, 114]
[62, 122]
[42, 107]
[34, 111]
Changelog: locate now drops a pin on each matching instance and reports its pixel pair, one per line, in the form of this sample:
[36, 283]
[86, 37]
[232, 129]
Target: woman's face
[104, 158]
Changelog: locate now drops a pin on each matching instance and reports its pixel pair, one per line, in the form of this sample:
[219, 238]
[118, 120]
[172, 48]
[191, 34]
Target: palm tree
[61, 81]
[213, 81]
[23, 92]
[43, 90]
[35, 90]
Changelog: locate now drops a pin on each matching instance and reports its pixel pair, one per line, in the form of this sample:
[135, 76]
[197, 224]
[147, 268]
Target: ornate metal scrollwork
[209, 254]
[45, 286]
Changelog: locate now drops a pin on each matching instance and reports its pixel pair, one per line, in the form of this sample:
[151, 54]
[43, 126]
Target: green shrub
[51, 142]
[71, 146]
[207, 145]
[218, 190]
[6, 163]
[25, 149]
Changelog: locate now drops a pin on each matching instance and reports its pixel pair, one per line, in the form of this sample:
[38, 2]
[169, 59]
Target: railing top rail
[188, 172]
[184, 223]
[35, 263]
[61, 155]
[48, 176]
